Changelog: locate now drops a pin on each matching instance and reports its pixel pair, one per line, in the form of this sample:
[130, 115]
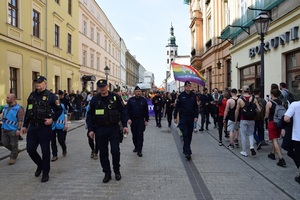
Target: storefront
[281, 57]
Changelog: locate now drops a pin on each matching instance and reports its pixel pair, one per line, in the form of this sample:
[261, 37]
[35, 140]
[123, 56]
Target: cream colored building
[38, 37]
[282, 54]
[99, 46]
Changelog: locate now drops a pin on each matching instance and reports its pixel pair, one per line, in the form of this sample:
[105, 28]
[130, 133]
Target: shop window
[293, 73]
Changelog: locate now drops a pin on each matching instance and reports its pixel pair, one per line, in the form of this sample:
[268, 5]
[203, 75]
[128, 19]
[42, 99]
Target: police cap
[40, 79]
[137, 88]
[187, 83]
[60, 92]
[101, 83]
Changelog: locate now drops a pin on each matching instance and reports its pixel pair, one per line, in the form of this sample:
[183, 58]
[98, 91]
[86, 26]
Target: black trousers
[39, 135]
[105, 135]
[221, 125]
[61, 137]
[137, 129]
[169, 115]
[157, 116]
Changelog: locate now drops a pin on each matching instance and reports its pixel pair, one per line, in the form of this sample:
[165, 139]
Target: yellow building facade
[38, 37]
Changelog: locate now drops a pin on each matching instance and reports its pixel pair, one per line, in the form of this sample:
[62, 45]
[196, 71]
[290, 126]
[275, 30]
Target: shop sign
[281, 40]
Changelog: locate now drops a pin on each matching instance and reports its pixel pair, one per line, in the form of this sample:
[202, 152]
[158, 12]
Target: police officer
[188, 114]
[138, 117]
[43, 107]
[105, 112]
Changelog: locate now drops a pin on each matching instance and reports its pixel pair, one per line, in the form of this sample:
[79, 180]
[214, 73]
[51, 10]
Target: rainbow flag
[187, 73]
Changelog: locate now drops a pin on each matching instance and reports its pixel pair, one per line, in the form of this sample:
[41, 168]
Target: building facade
[38, 37]
[132, 71]
[99, 46]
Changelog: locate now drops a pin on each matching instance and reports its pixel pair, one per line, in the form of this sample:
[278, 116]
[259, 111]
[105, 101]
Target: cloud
[138, 38]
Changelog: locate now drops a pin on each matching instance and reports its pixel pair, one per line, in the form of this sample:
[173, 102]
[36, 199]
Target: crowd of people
[237, 113]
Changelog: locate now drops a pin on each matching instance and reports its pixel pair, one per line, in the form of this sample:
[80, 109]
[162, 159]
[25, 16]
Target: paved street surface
[162, 173]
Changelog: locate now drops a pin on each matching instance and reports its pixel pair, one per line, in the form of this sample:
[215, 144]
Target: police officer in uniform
[188, 114]
[138, 117]
[157, 101]
[105, 112]
[43, 107]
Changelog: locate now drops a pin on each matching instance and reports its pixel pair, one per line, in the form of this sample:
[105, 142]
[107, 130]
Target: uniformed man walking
[157, 101]
[105, 112]
[187, 107]
[138, 117]
[43, 107]
[12, 119]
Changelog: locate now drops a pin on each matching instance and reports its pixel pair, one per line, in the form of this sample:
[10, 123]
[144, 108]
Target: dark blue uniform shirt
[186, 105]
[137, 108]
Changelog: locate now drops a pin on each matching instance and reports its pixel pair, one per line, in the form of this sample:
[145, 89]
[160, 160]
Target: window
[13, 13]
[228, 71]
[98, 63]
[34, 76]
[69, 85]
[69, 43]
[84, 58]
[109, 48]
[36, 23]
[84, 27]
[70, 7]
[92, 33]
[209, 27]
[13, 81]
[57, 85]
[56, 35]
[293, 73]
[57, 1]
[106, 44]
[92, 60]
[98, 38]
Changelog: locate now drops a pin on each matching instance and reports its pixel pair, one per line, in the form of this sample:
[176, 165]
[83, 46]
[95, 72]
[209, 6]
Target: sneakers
[95, 156]
[272, 156]
[220, 143]
[201, 129]
[236, 143]
[64, 152]
[12, 161]
[230, 146]
[188, 157]
[244, 153]
[54, 158]
[92, 154]
[195, 130]
[253, 153]
[281, 162]
[125, 135]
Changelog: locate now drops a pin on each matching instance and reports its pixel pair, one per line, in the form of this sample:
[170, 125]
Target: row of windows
[107, 45]
[36, 23]
[69, 6]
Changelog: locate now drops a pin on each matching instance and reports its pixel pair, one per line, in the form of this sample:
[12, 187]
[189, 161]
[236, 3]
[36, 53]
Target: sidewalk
[4, 153]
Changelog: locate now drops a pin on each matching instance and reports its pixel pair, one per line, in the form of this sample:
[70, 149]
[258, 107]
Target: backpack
[288, 99]
[262, 103]
[249, 110]
[278, 114]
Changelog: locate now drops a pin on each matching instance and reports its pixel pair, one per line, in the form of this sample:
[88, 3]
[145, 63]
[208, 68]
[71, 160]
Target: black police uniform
[188, 110]
[205, 109]
[40, 105]
[157, 101]
[103, 117]
[137, 110]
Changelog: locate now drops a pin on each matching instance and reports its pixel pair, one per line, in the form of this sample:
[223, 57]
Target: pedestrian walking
[293, 114]
[105, 112]
[12, 120]
[205, 106]
[274, 132]
[221, 108]
[169, 107]
[259, 133]
[247, 107]
[138, 118]
[157, 101]
[58, 131]
[187, 108]
[43, 108]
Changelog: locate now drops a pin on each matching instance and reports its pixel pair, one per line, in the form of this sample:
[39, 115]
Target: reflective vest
[10, 120]
[60, 123]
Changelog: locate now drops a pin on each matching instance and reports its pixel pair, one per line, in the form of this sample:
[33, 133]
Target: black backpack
[249, 111]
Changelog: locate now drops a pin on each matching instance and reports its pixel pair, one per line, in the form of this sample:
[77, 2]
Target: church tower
[171, 49]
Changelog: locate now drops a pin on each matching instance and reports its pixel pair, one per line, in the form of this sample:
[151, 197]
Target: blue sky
[145, 25]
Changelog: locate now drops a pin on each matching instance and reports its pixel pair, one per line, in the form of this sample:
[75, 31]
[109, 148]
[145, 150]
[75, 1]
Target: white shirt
[294, 111]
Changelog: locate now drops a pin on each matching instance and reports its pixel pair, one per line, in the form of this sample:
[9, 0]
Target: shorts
[274, 132]
[231, 126]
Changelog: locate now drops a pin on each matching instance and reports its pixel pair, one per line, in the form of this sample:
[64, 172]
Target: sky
[145, 25]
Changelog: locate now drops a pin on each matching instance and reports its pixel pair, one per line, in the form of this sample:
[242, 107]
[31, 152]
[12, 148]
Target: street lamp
[106, 71]
[262, 22]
